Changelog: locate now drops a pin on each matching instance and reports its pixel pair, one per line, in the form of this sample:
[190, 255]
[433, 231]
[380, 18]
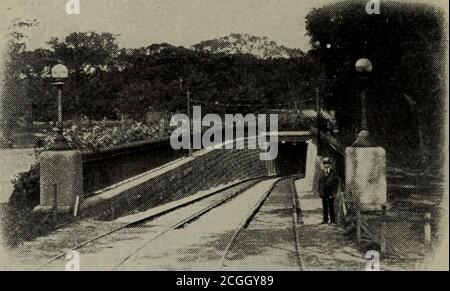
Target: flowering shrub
[105, 133]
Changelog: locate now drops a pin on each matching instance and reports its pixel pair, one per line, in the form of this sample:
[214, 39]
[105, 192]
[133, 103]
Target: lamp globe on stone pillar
[364, 68]
[60, 73]
[365, 164]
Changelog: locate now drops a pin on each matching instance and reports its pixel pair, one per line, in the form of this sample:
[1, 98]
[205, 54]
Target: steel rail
[183, 222]
[253, 213]
[248, 218]
[295, 219]
[153, 216]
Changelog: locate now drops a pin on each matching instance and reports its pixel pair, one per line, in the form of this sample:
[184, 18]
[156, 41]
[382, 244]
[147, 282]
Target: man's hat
[327, 161]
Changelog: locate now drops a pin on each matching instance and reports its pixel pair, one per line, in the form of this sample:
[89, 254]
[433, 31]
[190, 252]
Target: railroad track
[241, 187]
[216, 199]
[288, 185]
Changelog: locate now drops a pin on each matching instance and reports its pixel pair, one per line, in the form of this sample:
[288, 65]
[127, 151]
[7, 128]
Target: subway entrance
[291, 158]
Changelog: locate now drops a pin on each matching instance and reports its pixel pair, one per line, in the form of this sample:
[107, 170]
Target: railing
[108, 166]
[328, 146]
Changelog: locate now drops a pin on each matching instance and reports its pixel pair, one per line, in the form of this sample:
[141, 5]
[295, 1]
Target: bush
[19, 222]
[101, 134]
[26, 190]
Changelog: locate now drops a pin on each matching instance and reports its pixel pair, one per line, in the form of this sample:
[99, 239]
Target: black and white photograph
[224, 135]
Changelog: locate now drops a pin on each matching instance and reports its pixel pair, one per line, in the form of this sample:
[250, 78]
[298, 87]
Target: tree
[260, 47]
[14, 101]
[405, 45]
[106, 81]
[90, 57]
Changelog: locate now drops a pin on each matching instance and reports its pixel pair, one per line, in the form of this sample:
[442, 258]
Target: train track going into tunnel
[188, 220]
[199, 207]
[216, 199]
[280, 198]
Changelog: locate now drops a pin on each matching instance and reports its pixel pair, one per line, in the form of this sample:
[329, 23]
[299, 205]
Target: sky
[179, 22]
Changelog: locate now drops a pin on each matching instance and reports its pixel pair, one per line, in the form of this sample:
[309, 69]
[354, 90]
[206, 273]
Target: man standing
[328, 183]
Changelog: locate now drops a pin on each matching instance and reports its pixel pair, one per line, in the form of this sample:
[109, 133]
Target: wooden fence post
[343, 201]
[358, 224]
[427, 230]
[383, 229]
[77, 204]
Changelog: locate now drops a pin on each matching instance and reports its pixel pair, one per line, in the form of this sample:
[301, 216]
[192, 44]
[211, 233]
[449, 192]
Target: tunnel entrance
[291, 158]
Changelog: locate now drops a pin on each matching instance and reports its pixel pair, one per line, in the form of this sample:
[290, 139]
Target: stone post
[312, 167]
[365, 175]
[65, 170]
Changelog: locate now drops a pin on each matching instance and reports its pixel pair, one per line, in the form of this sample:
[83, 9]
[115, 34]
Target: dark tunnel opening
[291, 158]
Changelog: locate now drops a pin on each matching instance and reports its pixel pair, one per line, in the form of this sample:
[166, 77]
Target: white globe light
[60, 72]
[364, 66]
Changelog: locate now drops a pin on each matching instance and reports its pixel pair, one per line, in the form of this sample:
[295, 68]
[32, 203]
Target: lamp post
[318, 114]
[191, 132]
[363, 67]
[188, 101]
[60, 73]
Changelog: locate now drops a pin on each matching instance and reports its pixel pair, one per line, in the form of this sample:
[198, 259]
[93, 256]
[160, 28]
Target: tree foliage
[108, 82]
[236, 43]
[405, 44]
[14, 99]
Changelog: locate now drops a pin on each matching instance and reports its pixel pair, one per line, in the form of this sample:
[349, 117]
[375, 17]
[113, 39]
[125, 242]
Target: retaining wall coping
[92, 155]
[118, 189]
[292, 133]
